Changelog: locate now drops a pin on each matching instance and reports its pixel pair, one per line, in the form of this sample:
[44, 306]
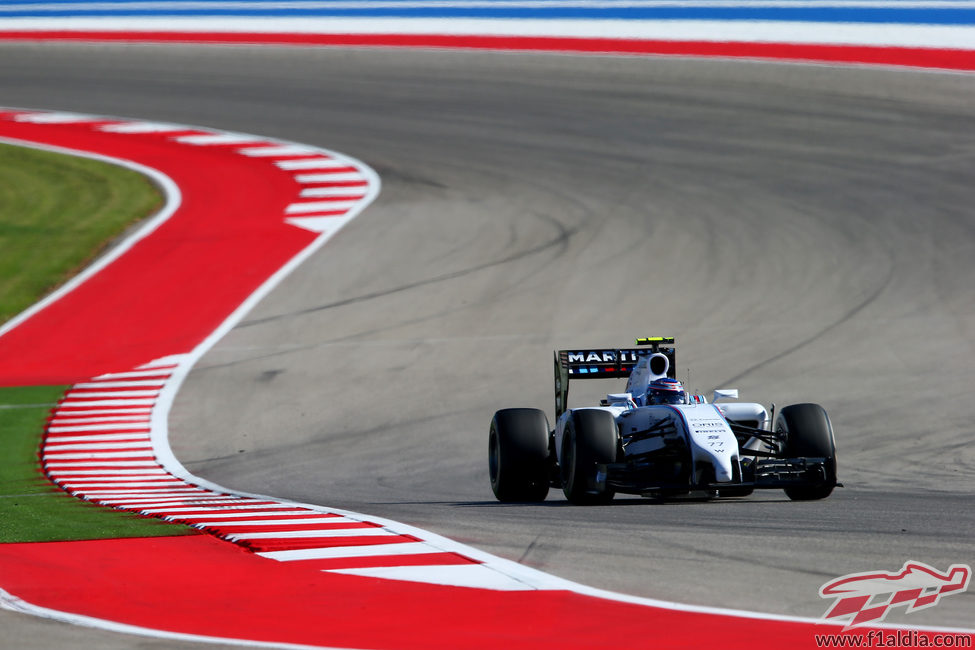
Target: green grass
[32, 509]
[57, 213]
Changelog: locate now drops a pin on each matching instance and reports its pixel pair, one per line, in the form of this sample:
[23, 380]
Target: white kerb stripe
[183, 491]
[143, 127]
[354, 193]
[86, 393]
[122, 480]
[319, 223]
[108, 426]
[210, 508]
[371, 550]
[63, 419]
[123, 492]
[166, 504]
[170, 362]
[218, 138]
[336, 176]
[238, 512]
[85, 412]
[229, 502]
[319, 206]
[99, 445]
[456, 575]
[56, 465]
[312, 163]
[54, 441]
[163, 372]
[94, 455]
[198, 501]
[232, 512]
[55, 118]
[325, 178]
[115, 472]
[208, 511]
[78, 404]
[195, 513]
[172, 498]
[336, 532]
[158, 383]
[127, 483]
[280, 150]
[267, 522]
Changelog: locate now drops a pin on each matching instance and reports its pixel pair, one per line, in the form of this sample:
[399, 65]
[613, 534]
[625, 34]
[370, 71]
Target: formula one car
[656, 440]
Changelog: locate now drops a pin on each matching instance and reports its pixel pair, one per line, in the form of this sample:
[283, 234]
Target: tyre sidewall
[590, 439]
[809, 434]
[518, 455]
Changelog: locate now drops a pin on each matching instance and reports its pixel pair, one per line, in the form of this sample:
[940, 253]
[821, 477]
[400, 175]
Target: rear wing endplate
[606, 363]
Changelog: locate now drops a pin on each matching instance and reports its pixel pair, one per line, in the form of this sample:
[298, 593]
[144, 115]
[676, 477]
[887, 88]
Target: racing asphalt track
[806, 232]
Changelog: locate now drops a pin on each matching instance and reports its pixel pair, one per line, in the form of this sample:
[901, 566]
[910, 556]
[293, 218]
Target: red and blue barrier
[933, 34]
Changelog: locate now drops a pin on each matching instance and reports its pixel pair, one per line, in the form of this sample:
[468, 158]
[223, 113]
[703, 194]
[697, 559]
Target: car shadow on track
[621, 502]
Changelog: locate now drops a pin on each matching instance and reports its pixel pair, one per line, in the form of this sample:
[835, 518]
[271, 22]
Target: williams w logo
[868, 597]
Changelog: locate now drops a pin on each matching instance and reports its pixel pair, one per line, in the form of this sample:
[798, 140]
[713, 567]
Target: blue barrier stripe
[961, 15]
[555, 4]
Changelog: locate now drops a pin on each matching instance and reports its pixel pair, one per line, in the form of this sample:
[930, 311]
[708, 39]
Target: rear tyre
[518, 455]
[590, 438]
[809, 434]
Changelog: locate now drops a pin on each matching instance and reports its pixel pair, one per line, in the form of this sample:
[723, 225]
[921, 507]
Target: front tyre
[809, 434]
[590, 439]
[518, 455]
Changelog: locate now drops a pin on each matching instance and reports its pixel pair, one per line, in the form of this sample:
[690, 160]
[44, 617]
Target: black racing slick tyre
[518, 455]
[809, 434]
[590, 439]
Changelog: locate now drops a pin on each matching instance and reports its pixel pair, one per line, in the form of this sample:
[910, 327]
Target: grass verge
[32, 509]
[57, 213]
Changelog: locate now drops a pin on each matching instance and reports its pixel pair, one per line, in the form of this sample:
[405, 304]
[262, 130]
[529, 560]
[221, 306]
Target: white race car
[656, 440]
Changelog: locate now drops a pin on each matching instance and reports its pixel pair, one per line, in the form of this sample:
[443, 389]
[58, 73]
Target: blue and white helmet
[666, 391]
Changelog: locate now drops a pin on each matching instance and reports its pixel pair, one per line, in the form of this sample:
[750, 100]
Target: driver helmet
[666, 391]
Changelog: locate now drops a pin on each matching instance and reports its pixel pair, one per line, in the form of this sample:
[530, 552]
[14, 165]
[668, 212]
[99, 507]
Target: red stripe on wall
[845, 54]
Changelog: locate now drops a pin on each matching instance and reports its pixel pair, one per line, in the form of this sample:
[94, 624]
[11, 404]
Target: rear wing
[611, 363]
